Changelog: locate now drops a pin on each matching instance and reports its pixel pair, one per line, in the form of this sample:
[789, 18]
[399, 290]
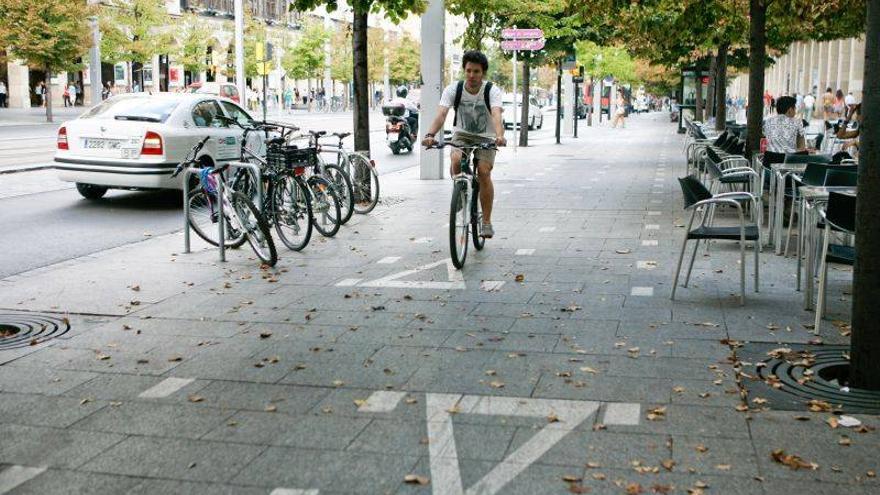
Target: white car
[536, 114]
[134, 141]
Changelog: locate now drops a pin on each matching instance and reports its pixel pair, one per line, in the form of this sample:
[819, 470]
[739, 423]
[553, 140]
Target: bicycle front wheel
[477, 218]
[342, 182]
[204, 214]
[458, 224]
[247, 218]
[292, 209]
[365, 183]
[326, 212]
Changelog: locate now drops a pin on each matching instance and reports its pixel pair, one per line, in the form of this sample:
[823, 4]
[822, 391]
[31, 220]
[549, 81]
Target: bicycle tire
[477, 218]
[365, 194]
[203, 220]
[458, 227]
[342, 182]
[292, 210]
[325, 206]
[256, 228]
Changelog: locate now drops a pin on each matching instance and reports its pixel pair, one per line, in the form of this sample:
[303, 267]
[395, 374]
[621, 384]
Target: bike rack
[221, 185]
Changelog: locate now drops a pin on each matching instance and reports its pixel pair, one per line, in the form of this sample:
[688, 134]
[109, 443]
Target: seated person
[784, 133]
[412, 111]
[850, 133]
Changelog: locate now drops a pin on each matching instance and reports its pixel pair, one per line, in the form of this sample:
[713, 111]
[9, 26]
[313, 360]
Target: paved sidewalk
[555, 362]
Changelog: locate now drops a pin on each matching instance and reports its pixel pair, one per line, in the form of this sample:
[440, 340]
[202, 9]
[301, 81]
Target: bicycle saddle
[276, 141]
[317, 133]
[341, 135]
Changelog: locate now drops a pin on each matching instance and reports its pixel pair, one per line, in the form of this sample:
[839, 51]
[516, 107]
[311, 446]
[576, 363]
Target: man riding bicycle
[477, 106]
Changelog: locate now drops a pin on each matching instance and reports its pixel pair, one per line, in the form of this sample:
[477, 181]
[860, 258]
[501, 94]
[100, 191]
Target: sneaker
[487, 231]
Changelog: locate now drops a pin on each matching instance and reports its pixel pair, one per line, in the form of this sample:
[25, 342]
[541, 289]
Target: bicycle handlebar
[191, 156]
[479, 146]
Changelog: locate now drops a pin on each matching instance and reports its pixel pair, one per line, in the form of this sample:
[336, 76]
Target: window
[204, 113]
[237, 113]
[134, 107]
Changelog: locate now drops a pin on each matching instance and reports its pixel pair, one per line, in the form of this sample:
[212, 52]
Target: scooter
[398, 134]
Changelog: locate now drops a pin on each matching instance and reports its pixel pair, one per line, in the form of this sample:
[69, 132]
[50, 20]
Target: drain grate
[23, 330]
[790, 377]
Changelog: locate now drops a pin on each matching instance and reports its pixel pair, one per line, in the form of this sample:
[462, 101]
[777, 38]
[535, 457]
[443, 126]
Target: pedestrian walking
[2, 94]
[71, 94]
[827, 104]
[850, 101]
[809, 103]
[40, 91]
[620, 112]
[837, 108]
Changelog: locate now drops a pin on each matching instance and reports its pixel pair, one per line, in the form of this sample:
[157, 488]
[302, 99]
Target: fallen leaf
[593, 465]
[552, 418]
[657, 413]
[496, 384]
[845, 441]
[678, 389]
[271, 408]
[85, 401]
[832, 422]
[265, 335]
[491, 372]
[759, 400]
[792, 461]
[722, 467]
[414, 479]
[175, 359]
[587, 369]
[360, 402]
[742, 408]
[701, 448]
[621, 251]
[668, 464]
[571, 478]
[598, 476]
[195, 398]
[634, 489]
[102, 357]
[519, 278]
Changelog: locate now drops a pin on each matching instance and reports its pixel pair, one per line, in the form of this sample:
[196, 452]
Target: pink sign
[522, 45]
[521, 34]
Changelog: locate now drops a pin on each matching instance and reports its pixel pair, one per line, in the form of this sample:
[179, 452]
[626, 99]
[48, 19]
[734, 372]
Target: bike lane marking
[165, 388]
[14, 476]
[455, 279]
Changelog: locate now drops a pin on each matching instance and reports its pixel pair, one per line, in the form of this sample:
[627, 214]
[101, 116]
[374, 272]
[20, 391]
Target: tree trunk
[361, 114]
[47, 94]
[524, 116]
[721, 88]
[865, 343]
[757, 54]
[710, 91]
[309, 93]
[698, 94]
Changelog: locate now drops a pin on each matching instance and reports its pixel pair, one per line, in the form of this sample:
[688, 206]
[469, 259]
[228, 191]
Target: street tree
[192, 43]
[134, 31]
[341, 60]
[865, 343]
[51, 35]
[306, 59]
[378, 48]
[395, 10]
[405, 61]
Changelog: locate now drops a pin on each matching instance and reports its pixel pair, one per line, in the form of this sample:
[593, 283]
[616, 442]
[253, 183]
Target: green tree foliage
[254, 34]
[376, 47]
[405, 61]
[50, 35]
[306, 59]
[192, 43]
[602, 61]
[340, 55]
[134, 30]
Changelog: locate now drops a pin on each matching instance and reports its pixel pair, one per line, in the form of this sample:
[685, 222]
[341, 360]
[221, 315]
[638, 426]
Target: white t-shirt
[809, 101]
[473, 116]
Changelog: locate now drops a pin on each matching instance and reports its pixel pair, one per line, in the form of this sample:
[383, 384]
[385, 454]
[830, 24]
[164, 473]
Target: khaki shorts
[485, 156]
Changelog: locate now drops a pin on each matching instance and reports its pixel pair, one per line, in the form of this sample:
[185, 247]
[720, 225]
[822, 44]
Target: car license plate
[102, 144]
[393, 137]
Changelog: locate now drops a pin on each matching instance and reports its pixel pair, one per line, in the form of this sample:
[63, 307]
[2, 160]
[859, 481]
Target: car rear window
[134, 108]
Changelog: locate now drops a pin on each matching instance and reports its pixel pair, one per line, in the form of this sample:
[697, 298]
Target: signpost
[520, 40]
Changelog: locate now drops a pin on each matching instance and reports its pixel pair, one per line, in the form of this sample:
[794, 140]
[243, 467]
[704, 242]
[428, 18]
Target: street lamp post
[239, 50]
[95, 60]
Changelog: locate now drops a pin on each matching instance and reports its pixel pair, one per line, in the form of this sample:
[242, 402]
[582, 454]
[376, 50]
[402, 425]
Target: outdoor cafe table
[814, 197]
[780, 172]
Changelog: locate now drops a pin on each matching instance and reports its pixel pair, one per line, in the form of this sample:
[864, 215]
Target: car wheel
[91, 191]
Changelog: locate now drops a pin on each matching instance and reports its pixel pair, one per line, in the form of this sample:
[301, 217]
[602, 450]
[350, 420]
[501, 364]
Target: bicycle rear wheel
[477, 218]
[342, 182]
[292, 209]
[458, 225]
[365, 183]
[326, 213]
[204, 213]
[247, 218]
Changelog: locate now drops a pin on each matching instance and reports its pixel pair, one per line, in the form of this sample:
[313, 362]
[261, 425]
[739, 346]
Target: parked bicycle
[361, 171]
[465, 211]
[243, 221]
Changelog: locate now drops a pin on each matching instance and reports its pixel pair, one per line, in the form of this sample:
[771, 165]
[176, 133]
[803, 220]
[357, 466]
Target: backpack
[459, 88]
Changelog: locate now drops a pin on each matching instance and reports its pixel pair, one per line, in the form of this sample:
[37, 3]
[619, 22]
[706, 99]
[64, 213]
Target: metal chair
[698, 199]
[841, 177]
[840, 216]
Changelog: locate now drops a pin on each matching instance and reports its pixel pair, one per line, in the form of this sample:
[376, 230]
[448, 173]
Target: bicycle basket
[291, 157]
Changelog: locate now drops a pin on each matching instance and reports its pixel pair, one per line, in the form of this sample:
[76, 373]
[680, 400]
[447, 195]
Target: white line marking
[656, 201]
[348, 282]
[659, 179]
[525, 252]
[563, 212]
[165, 388]
[455, 280]
[547, 229]
[294, 491]
[646, 265]
[622, 413]
[491, 285]
[654, 213]
[642, 291]
[658, 185]
[389, 260]
[13, 476]
[650, 242]
[382, 401]
[441, 440]
[652, 226]
[423, 240]
[659, 192]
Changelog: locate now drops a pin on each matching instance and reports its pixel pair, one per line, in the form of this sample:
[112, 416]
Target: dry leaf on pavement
[414, 479]
[792, 461]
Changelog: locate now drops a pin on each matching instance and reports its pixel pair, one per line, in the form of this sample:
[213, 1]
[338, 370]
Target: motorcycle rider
[412, 111]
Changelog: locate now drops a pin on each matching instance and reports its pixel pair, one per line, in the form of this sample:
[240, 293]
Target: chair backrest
[801, 158]
[693, 191]
[814, 175]
[841, 176]
[721, 139]
[738, 148]
[841, 211]
[819, 140]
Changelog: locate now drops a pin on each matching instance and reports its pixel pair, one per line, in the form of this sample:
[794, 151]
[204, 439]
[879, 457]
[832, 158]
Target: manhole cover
[789, 377]
[23, 330]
